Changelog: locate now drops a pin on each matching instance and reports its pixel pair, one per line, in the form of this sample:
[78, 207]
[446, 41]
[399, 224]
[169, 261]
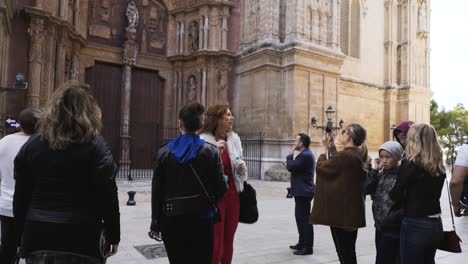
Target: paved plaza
[268, 240]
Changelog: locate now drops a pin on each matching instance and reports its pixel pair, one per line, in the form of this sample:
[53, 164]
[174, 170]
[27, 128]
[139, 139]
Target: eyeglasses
[344, 131]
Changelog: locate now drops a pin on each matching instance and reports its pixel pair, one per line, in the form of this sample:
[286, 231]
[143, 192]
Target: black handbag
[248, 205]
[451, 241]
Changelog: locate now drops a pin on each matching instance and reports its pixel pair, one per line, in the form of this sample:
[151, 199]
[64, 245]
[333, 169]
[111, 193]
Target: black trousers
[345, 244]
[304, 228]
[388, 248]
[187, 240]
[8, 240]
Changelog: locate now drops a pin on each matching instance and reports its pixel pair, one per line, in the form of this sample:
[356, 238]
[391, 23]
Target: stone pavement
[268, 240]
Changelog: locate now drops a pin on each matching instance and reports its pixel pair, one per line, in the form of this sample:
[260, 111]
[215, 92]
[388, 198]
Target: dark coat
[339, 196]
[70, 191]
[175, 181]
[302, 173]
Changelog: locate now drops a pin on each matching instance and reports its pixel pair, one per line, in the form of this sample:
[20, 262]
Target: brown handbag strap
[450, 202]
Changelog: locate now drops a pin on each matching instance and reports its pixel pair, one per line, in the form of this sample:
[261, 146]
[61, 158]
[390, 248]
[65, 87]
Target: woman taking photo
[217, 129]
[339, 196]
[65, 192]
[418, 188]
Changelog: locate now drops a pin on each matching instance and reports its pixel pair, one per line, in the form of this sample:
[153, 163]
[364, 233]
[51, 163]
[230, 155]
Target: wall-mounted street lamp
[329, 127]
[20, 84]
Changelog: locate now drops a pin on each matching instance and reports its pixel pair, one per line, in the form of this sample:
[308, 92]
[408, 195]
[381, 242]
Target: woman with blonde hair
[418, 188]
[65, 192]
[339, 192]
[217, 129]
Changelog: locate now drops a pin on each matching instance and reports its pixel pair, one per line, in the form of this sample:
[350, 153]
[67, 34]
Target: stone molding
[191, 6]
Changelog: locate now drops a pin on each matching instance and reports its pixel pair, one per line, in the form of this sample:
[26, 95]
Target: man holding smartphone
[302, 168]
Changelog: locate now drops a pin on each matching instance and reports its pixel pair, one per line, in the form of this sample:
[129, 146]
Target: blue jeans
[419, 238]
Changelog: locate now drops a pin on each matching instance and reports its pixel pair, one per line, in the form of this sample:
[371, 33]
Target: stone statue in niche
[191, 88]
[193, 36]
[132, 16]
[422, 19]
[222, 82]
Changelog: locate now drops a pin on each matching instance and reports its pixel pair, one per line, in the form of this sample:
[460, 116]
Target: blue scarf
[185, 148]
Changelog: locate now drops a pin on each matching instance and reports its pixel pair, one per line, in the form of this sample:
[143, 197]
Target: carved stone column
[60, 59]
[129, 60]
[205, 32]
[36, 58]
[75, 68]
[224, 29]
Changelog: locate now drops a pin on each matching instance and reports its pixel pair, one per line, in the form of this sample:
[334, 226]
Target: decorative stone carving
[132, 17]
[153, 33]
[130, 48]
[191, 88]
[37, 35]
[193, 36]
[422, 19]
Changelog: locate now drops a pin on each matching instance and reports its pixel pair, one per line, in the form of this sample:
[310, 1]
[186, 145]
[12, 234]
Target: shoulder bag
[451, 241]
[217, 214]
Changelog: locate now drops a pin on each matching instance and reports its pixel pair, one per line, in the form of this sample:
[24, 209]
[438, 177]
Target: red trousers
[223, 243]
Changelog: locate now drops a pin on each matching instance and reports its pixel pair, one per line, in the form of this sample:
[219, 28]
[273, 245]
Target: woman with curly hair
[65, 192]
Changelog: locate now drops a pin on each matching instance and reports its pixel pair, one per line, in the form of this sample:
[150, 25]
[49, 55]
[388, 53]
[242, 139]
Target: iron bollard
[131, 198]
[289, 193]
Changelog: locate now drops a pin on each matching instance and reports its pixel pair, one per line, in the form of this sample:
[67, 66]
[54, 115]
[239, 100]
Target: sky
[449, 52]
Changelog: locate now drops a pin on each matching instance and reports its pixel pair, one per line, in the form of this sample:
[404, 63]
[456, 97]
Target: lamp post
[20, 84]
[329, 127]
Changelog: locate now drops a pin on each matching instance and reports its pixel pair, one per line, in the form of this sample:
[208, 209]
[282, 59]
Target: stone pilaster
[37, 36]
[129, 60]
[75, 67]
[60, 59]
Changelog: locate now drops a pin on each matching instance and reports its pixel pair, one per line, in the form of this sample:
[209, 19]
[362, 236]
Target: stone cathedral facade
[277, 62]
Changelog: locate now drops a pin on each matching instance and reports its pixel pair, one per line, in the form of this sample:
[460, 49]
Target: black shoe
[295, 247]
[304, 251]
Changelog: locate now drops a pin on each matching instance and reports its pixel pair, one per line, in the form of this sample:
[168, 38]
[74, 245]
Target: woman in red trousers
[217, 129]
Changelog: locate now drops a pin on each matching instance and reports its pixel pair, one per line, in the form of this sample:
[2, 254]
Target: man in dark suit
[302, 168]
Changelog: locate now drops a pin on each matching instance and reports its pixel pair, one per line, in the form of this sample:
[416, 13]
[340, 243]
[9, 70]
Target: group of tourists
[59, 200]
[405, 185]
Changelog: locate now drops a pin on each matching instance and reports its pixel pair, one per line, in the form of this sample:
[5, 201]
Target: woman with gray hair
[65, 193]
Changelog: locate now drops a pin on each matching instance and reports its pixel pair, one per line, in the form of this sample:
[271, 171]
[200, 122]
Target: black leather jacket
[172, 180]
